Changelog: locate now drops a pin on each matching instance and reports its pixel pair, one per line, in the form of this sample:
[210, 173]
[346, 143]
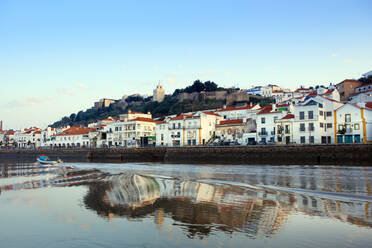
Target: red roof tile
[76, 131]
[288, 116]
[227, 122]
[282, 105]
[210, 113]
[181, 117]
[369, 105]
[265, 110]
[143, 119]
[232, 108]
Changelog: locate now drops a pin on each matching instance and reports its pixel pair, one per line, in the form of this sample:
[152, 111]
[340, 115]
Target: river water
[165, 205]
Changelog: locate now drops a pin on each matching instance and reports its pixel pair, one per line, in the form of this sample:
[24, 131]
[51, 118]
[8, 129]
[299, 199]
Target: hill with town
[198, 96]
[204, 114]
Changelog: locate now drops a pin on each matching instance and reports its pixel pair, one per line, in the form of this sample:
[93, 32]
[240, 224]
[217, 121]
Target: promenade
[360, 154]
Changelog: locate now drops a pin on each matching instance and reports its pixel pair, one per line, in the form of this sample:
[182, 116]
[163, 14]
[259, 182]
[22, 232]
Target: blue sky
[58, 57]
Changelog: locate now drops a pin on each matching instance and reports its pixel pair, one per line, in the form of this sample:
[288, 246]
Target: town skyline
[91, 104]
[77, 53]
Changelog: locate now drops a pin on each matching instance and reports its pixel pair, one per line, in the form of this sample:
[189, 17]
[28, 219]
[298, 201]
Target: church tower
[159, 93]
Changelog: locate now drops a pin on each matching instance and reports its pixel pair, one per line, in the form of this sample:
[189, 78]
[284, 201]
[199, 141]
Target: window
[303, 139]
[347, 118]
[329, 125]
[302, 115]
[179, 125]
[311, 126]
[162, 137]
[321, 124]
[287, 129]
[321, 112]
[263, 120]
[311, 139]
[311, 114]
[302, 127]
[280, 139]
[329, 113]
[356, 127]
[348, 128]
[275, 118]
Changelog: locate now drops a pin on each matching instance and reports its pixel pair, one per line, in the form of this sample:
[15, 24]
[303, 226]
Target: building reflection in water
[260, 206]
[201, 207]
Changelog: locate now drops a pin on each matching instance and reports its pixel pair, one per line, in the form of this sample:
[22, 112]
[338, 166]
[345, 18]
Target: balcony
[263, 133]
[175, 136]
[348, 130]
[193, 127]
[174, 128]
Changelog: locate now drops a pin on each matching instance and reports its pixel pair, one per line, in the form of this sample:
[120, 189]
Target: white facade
[361, 97]
[29, 138]
[354, 124]
[233, 113]
[187, 130]
[136, 132]
[314, 121]
[266, 123]
[73, 137]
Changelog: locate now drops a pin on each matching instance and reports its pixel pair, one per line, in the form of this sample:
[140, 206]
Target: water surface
[163, 205]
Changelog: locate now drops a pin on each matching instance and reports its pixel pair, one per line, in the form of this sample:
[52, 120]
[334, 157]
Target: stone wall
[273, 155]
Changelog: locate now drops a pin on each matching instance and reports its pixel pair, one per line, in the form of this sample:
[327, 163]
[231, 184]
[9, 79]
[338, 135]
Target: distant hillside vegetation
[192, 100]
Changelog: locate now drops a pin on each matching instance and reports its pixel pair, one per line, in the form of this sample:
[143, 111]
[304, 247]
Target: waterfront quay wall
[273, 155]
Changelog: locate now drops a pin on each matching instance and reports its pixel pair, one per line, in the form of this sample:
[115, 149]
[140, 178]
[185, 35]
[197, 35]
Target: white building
[362, 97]
[233, 113]
[28, 138]
[137, 132]
[73, 137]
[284, 129]
[354, 123]
[132, 115]
[187, 130]
[266, 118]
[236, 131]
[313, 122]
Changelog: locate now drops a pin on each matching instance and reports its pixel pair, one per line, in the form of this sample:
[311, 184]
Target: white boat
[48, 162]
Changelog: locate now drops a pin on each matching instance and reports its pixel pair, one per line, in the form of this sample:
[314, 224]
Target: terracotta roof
[143, 119]
[369, 105]
[76, 131]
[161, 122]
[181, 117]
[313, 93]
[265, 110]
[232, 108]
[288, 116]
[227, 122]
[10, 132]
[210, 113]
[302, 89]
[329, 92]
[330, 99]
[282, 105]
